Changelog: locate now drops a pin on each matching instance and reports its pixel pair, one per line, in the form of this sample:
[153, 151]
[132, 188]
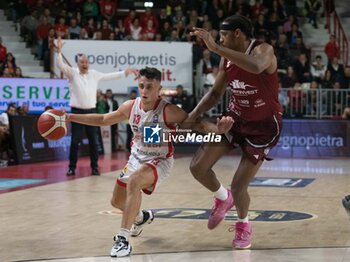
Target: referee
[83, 84]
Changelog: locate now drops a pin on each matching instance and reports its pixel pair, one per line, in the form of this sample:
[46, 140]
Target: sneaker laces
[240, 232]
[215, 206]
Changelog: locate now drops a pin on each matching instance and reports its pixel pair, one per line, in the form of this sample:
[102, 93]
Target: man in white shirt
[83, 83]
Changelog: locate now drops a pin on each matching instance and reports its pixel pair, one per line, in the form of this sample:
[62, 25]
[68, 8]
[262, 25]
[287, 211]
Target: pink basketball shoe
[219, 210]
[243, 235]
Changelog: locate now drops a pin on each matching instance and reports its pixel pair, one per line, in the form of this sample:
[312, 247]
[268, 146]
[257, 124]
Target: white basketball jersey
[154, 118]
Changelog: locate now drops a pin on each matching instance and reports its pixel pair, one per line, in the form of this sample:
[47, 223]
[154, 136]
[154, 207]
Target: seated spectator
[28, 27]
[293, 34]
[149, 16]
[11, 111]
[74, 29]
[209, 61]
[336, 69]
[312, 101]
[318, 69]
[90, 28]
[90, 9]
[346, 113]
[107, 9]
[61, 29]
[346, 79]
[331, 49]
[10, 64]
[149, 32]
[23, 110]
[42, 31]
[18, 72]
[105, 29]
[302, 69]
[3, 51]
[181, 99]
[135, 29]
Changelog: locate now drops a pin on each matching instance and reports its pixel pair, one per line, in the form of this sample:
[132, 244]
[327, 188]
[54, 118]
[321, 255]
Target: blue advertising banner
[37, 93]
[313, 139]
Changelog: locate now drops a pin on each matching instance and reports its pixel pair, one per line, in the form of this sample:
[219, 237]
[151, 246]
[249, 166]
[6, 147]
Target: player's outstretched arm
[115, 117]
[177, 116]
[263, 57]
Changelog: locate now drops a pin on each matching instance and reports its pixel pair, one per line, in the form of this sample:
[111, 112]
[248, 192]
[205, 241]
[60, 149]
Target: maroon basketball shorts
[256, 138]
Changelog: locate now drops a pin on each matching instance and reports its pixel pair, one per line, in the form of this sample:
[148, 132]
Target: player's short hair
[234, 22]
[151, 73]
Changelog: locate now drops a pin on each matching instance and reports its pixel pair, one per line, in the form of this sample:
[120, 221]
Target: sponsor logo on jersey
[236, 84]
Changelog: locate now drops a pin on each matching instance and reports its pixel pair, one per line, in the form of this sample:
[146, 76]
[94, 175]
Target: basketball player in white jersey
[149, 164]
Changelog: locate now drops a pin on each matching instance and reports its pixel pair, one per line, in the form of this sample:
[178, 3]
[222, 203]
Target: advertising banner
[313, 139]
[31, 147]
[37, 93]
[173, 59]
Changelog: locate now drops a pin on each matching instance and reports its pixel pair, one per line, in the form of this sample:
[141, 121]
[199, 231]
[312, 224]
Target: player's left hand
[206, 37]
[131, 70]
[224, 124]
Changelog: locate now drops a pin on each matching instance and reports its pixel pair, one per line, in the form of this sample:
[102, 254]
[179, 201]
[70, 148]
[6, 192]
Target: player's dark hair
[151, 73]
[234, 22]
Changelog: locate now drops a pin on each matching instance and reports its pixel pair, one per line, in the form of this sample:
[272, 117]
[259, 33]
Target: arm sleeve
[110, 76]
[66, 69]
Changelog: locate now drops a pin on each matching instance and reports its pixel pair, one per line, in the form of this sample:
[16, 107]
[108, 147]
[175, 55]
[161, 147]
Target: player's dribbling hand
[224, 124]
[206, 37]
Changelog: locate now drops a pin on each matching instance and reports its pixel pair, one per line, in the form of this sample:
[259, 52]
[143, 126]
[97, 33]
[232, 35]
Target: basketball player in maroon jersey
[249, 69]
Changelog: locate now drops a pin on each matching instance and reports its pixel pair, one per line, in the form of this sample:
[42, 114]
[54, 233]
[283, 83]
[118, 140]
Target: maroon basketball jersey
[253, 96]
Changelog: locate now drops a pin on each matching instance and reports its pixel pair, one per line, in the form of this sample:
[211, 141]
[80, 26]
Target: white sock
[243, 220]
[124, 233]
[221, 193]
[139, 217]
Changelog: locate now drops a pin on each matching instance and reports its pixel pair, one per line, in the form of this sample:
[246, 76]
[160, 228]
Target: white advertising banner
[173, 59]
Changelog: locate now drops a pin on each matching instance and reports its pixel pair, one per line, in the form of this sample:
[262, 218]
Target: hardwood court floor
[73, 220]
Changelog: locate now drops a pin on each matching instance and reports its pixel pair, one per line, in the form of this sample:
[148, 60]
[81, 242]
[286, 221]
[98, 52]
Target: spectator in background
[331, 49]
[105, 29]
[90, 9]
[74, 29]
[302, 69]
[113, 105]
[48, 45]
[10, 111]
[23, 110]
[18, 72]
[181, 99]
[148, 16]
[107, 9]
[346, 80]
[209, 61]
[3, 51]
[61, 29]
[135, 29]
[336, 69]
[318, 69]
[28, 27]
[293, 34]
[312, 7]
[101, 104]
[90, 28]
[42, 31]
[10, 64]
[128, 20]
[129, 133]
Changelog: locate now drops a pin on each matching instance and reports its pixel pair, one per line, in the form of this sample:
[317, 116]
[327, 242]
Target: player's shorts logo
[151, 134]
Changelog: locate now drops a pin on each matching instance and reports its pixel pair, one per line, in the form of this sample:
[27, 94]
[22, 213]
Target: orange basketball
[52, 124]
